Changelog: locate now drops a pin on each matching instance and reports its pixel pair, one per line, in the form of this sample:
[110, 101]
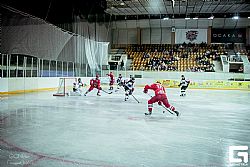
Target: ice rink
[40, 130]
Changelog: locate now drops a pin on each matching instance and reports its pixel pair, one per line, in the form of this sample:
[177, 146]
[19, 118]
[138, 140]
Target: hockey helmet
[97, 76]
[133, 79]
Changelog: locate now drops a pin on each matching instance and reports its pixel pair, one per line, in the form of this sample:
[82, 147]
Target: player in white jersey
[77, 87]
[119, 82]
[129, 87]
[183, 85]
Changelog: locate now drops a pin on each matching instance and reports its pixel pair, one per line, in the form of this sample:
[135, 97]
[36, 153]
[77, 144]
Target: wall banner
[228, 35]
[209, 84]
[190, 35]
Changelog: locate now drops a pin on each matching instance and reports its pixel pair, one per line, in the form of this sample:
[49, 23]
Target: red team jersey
[95, 82]
[157, 88]
[160, 97]
[111, 76]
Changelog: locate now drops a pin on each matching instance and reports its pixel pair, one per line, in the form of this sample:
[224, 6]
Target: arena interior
[73, 78]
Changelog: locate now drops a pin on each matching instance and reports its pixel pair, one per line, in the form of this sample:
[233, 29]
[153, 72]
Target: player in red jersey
[111, 80]
[160, 97]
[95, 83]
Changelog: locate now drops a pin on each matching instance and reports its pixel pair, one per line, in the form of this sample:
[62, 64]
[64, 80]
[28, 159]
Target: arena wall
[169, 79]
[23, 85]
[157, 31]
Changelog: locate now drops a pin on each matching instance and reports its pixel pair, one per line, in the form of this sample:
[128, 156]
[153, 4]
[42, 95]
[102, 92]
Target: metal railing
[26, 66]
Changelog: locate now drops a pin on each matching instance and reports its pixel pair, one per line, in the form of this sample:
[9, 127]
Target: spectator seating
[165, 57]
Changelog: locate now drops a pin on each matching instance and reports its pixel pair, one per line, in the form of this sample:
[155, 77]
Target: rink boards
[24, 85]
[210, 84]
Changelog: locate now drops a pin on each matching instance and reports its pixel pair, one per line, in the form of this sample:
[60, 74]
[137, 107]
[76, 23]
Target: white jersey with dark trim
[183, 82]
[129, 84]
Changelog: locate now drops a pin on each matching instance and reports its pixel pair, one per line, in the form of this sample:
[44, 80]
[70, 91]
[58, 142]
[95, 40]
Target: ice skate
[177, 113]
[149, 113]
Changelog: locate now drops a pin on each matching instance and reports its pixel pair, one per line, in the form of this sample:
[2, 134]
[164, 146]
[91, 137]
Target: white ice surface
[107, 131]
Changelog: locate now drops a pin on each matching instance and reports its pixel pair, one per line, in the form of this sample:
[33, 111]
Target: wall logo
[242, 151]
[237, 35]
[191, 35]
[229, 35]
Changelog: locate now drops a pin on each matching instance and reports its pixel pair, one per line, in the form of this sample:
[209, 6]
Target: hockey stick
[129, 94]
[118, 87]
[132, 96]
[165, 108]
[135, 98]
[106, 92]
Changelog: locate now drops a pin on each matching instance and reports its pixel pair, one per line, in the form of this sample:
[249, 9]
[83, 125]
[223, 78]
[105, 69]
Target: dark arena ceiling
[56, 11]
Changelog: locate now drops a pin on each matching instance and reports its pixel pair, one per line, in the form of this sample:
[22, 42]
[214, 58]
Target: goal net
[65, 86]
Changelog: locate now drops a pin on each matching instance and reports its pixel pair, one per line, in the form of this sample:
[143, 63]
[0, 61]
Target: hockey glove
[159, 103]
[145, 91]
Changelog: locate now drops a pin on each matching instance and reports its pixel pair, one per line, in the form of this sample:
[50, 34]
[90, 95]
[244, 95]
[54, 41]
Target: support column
[248, 36]
[209, 35]
[173, 37]
[138, 36]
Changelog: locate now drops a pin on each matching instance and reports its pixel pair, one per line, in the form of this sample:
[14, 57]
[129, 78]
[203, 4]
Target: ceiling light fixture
[248, 17]
[122, 3]
[211, 17]
[187, 18]
[173, 2]
[195, 18]
[165, 18]
[235, 17]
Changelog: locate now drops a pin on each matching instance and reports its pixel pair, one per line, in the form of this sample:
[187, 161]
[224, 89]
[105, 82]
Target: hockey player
[126, 80]
[184, 85]
[160, 97]
[80, 83]
[111, 80]
[119, 81]
[129, 87]
[77, 87]
[95, 83]
[76, 90]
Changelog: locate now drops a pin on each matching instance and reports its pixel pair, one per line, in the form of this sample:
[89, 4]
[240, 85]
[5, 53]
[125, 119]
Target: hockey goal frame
[62, 84]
